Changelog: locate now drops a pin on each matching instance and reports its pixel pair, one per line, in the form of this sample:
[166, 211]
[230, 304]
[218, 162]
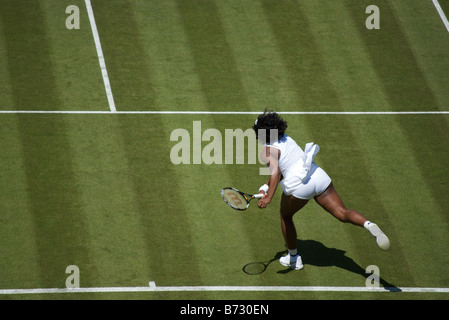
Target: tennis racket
[238, 200]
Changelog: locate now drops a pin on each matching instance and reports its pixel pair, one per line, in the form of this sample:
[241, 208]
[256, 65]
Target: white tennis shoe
[381, 239]
[294, 262]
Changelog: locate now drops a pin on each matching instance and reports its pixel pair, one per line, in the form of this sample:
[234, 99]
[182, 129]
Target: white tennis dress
[302, 177]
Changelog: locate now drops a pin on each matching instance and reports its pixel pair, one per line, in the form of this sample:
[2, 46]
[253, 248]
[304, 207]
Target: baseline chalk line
[153, 288]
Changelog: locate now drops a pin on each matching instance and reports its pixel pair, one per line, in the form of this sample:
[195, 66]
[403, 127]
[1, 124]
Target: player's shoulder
[270, 151]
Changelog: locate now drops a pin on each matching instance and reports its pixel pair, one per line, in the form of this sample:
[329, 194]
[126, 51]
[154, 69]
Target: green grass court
[99, 190]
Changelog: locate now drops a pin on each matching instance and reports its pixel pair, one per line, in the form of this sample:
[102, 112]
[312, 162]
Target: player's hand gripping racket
[238, 200]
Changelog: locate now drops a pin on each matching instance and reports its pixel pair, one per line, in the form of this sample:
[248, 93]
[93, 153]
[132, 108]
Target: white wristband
[264, 188]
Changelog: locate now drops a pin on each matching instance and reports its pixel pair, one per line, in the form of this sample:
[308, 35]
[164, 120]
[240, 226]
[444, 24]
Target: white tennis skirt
[315, 185]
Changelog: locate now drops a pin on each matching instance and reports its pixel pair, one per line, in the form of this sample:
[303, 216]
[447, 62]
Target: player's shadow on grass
[317, 254]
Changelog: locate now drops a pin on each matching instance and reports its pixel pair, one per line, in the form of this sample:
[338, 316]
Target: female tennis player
[301, 180]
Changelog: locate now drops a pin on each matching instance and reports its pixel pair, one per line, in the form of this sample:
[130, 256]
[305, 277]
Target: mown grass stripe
[108, 202]
[75, 64]
[264, 76]
[54, 197]
[17, 232]
[5, 82]
[158, 190]
[404, 82]
[47, 156]
[169, 56]
[28, 54]
[294, 38]
[430, 44]
[356, 82]
[129, 72]
[214, 61]
[197, 239]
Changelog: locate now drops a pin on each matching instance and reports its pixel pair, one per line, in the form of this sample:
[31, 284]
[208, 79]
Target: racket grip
[259, 195]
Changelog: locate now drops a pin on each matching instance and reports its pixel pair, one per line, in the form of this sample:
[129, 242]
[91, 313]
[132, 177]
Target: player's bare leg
[289, 206]
[332, 203]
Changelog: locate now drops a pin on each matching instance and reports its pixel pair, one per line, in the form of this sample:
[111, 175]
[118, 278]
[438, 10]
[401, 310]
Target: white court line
[153, 288]
[441, 13]
[226, 112]
[104, 71]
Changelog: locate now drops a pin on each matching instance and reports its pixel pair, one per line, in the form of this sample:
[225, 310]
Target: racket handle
[259, 195]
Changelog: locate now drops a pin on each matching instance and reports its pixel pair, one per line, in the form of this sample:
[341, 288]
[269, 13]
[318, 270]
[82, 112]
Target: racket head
[235, 199]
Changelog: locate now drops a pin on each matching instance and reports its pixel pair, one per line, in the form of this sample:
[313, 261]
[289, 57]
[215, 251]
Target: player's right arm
[270, 156]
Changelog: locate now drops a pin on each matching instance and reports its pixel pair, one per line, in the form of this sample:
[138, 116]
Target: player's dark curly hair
[270, 120]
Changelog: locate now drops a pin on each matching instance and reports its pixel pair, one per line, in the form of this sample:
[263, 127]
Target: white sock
[293, 252]
[366, 224]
